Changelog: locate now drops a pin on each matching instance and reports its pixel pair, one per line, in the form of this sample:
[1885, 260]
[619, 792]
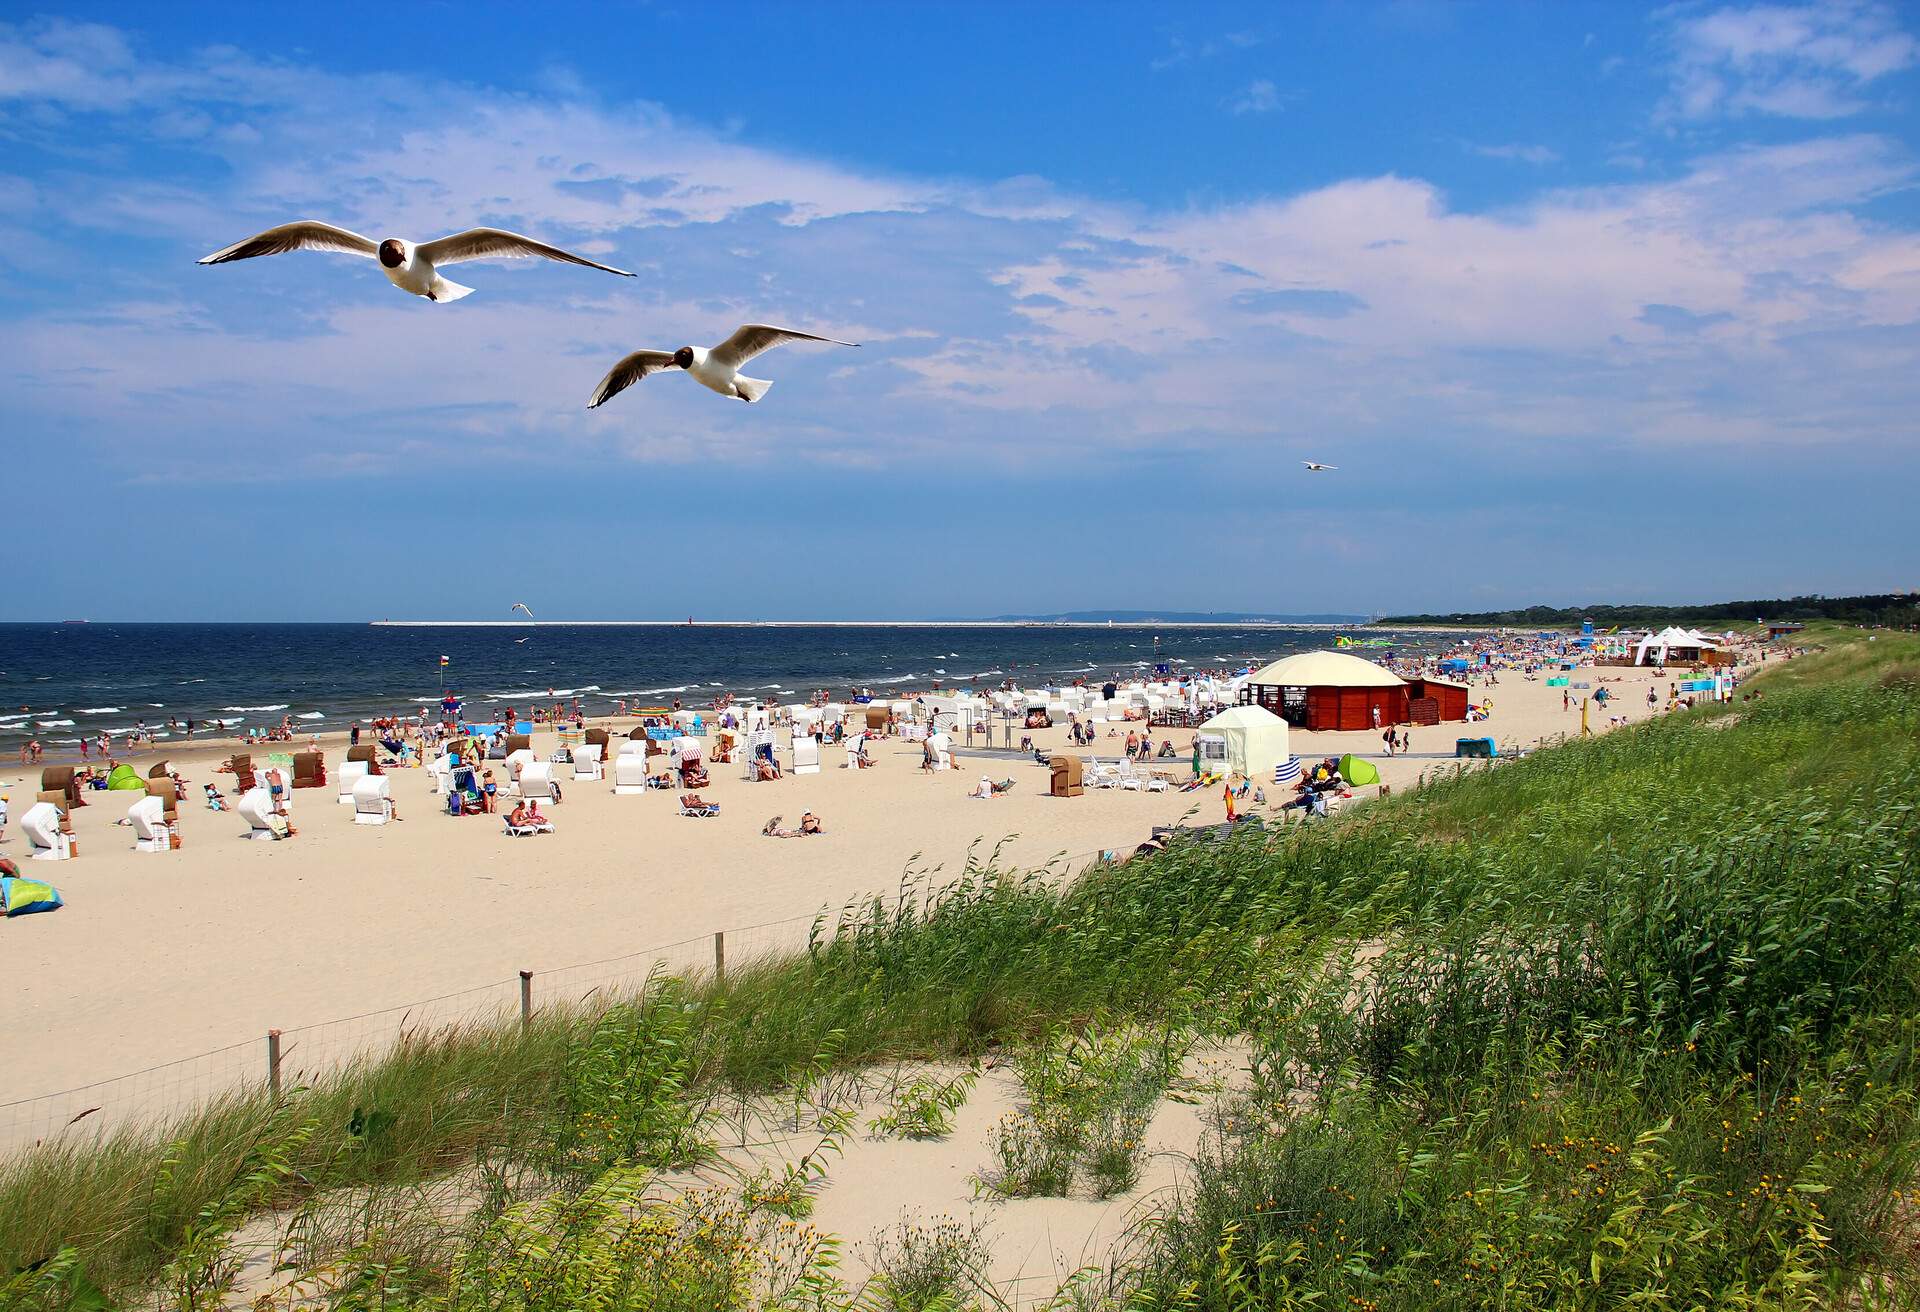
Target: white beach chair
[518, 760]
[41, 824]
[150, 831]
[372, 800]
[1128, 777]
[440, 773]
[256, 808]
[350, 773]
[536, 782]
[806, 756]
[1101, 774]
[630, 773]
[586, 762]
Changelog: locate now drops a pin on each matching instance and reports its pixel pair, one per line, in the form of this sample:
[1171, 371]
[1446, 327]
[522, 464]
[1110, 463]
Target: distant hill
[1171, 617]
[1893, 608]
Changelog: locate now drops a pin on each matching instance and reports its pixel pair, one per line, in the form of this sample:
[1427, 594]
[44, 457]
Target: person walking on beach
[1386, 737]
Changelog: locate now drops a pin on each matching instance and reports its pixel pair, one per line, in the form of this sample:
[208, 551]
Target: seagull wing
[305, 235]
[750, 339]
[628, 372]
[497, 243]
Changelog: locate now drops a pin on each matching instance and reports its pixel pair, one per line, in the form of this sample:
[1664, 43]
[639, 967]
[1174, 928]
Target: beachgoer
[810, 824]
[1386, 737]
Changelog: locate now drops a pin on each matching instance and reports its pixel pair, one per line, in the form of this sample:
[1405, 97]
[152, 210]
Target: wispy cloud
[1523, 154]
[1817, 61]
[1740, 295]
[1258, 97]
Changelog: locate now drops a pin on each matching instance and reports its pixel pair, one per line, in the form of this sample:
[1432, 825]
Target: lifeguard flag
[443, 662]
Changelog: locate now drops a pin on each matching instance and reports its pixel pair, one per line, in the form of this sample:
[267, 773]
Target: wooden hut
[1328, 690]
[1436, 701]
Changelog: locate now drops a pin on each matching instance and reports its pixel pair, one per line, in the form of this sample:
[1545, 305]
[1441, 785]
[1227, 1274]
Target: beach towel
[23, 897]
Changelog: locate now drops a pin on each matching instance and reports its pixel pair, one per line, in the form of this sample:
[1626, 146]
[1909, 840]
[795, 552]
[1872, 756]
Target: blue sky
[1588, 302]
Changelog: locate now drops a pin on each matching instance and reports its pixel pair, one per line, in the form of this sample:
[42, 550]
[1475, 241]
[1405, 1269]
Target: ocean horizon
[59, 681]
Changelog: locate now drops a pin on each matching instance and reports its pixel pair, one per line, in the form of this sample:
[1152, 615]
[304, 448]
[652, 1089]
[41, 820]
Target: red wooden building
[1329, 690]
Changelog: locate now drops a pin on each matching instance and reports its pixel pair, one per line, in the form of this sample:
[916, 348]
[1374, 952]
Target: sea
[58, 681]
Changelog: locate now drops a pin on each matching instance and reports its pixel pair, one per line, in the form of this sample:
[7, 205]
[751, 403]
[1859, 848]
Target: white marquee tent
[1248, 740]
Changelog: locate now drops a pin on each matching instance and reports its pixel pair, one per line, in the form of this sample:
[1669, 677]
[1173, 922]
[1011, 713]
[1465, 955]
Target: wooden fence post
[526, 998]
[273, 1062]
[720, 956]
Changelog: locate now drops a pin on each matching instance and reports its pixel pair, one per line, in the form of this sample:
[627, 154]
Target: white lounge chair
[150, 831]
[372, 800]
[41, 824]
[806, 756]
[586, 762]
[536, 782]
[351, 773]
[1101, 774]
[630, 773]
[256, 808]
[535, 824]
[1129, 777]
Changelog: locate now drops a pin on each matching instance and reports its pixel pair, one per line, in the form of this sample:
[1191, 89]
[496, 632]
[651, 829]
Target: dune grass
[1611, 953]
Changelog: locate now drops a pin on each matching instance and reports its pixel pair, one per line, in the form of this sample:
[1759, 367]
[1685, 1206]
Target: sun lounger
[372, 800]
[693, 804]
[150, 831]
[46, 840]
[351, 773]
[538, 824]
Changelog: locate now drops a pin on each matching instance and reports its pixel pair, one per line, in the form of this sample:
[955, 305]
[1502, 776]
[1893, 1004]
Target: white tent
[1656, 648]
[1255, 740]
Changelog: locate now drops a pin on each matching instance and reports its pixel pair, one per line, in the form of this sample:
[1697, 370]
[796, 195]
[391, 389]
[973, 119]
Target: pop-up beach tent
[23, 897]
[125, 779]
[1255, 739]
[1356, 771]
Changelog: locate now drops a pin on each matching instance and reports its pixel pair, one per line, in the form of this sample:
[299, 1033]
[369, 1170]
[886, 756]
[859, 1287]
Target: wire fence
[287, 1058]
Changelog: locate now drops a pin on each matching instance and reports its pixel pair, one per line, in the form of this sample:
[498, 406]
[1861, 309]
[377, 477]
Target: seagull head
[684, 357]
[393, 253]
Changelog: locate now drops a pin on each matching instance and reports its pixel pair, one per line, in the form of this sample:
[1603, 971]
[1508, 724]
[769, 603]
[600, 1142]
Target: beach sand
[158, 957]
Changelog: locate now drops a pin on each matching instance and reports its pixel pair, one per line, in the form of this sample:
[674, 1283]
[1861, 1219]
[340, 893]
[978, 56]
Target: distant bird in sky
[718, 369]
[412, 267]
[521, 606]
[1314, 468]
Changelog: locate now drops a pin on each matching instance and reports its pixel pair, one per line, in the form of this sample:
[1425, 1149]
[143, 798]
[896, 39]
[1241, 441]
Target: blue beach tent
[23, 897]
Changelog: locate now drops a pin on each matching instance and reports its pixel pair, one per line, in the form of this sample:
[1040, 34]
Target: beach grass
[1633, 1014]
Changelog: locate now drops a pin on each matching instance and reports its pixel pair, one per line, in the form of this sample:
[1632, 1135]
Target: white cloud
[1258, 97]
[1741, 300]
[1524, 154]
[1816, 61]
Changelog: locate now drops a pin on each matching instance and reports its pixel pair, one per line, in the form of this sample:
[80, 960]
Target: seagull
[718, 369]
[1313, 468]
[520, 606]
[410, 266]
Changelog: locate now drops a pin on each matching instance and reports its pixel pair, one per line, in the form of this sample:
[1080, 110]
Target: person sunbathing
[810, 824]
[766, 769]
[695, 777]
[773, 829]
[519, 816]
[215, 802]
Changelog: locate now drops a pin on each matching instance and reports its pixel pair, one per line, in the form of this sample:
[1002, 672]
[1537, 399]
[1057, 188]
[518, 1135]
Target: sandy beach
[158, 957]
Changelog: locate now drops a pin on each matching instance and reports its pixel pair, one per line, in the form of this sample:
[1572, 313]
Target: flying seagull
[521, 606]
[410, 266]
[718, 369]
[1317, 468]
